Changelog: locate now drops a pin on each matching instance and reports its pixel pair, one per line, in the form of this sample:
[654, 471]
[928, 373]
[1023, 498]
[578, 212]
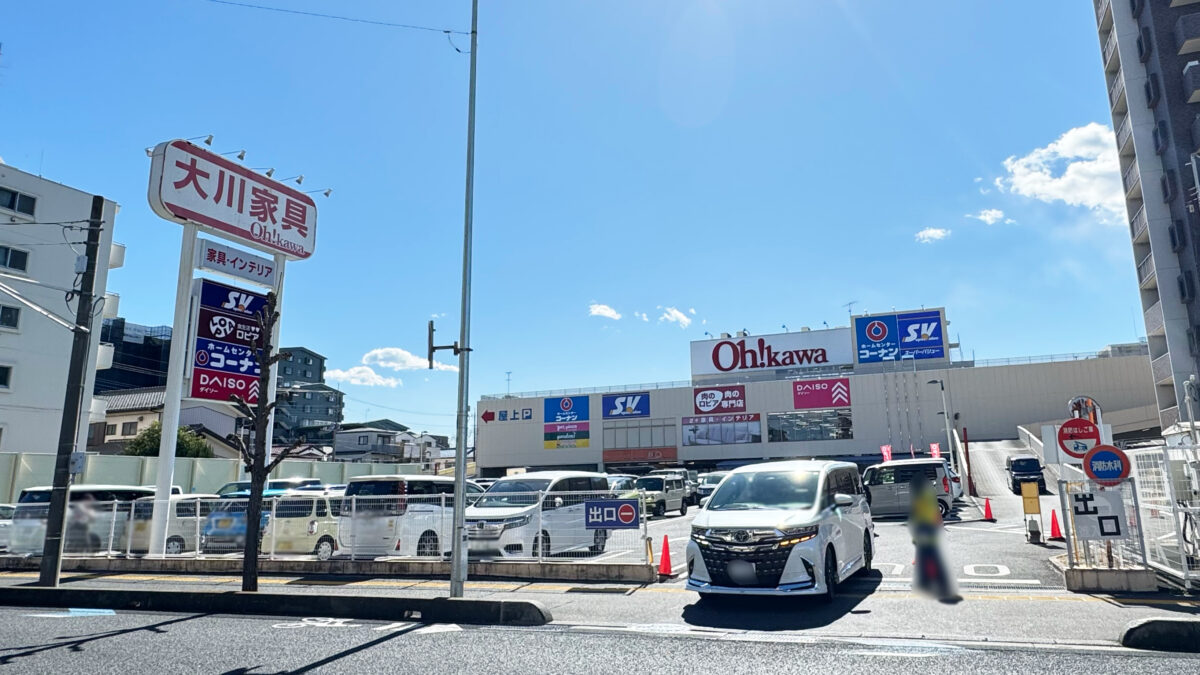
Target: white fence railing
[1102, 525]
[581, 527]
[1168, 485]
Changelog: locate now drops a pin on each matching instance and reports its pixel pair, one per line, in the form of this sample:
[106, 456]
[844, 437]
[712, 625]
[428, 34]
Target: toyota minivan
[782, 528]
[509, 519]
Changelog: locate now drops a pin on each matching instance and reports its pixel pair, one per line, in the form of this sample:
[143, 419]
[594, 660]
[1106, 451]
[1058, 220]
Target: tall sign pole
[52, 549]
[458, 561]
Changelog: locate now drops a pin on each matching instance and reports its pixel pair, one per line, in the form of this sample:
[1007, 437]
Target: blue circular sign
[1106, 464]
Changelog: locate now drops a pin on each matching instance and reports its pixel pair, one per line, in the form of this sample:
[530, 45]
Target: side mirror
[558, 502]
[704, 502]
[843, 500]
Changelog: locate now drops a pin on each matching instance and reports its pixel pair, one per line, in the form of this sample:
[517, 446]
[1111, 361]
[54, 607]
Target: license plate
[224, 522]
[742, 572]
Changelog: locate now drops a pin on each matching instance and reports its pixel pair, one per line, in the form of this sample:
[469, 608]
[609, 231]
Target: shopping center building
[842, 392]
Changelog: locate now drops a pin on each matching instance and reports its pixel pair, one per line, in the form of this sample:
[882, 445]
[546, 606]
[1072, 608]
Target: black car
[1024, 469]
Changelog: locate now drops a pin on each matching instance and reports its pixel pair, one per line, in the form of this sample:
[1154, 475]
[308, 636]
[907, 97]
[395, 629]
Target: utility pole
[941, 383]
[458, 560]
[68, 431]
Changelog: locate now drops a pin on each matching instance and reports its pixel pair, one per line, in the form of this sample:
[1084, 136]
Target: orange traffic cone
[664, 562]
[987, 511]
[1055, 533]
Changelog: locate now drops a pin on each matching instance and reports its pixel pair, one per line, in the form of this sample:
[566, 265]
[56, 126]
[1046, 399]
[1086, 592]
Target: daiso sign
[781, 351]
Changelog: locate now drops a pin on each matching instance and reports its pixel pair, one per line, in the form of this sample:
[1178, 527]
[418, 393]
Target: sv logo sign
[238, 301]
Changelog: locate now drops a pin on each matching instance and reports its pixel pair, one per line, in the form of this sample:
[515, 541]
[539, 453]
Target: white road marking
[318, 622]
[439, 628]
[1016, 582]
[399, 625]
[972, 570]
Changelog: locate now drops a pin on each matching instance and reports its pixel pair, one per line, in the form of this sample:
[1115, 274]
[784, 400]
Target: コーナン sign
[191, 184]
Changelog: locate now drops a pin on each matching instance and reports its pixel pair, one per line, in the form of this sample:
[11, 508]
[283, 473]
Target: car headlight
[516, 522]
[699, 535]
[796, 535]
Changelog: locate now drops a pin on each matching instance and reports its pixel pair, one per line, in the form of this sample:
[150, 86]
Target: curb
[1164, 635]
[426, 610]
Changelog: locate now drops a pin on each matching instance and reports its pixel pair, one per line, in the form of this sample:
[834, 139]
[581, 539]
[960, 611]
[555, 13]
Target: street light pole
[458, 559]
[946, 416]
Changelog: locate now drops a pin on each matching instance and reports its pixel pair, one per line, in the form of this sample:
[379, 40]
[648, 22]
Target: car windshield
[509, 493]
[1026, 465]
[791, 490]
[650, 483]
[712, 479]
[234, 487]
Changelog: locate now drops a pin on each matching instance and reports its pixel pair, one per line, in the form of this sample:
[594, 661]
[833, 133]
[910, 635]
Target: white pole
[946, 417]
[174, 391]
[458, 558]
[273, 384]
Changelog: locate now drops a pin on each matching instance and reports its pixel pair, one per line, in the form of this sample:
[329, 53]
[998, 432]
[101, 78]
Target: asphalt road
[131, 642]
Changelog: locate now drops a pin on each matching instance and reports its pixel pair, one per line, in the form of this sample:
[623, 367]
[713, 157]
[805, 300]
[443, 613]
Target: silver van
[889, 485]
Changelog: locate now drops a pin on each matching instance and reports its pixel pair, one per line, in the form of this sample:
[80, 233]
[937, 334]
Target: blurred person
[930, 574]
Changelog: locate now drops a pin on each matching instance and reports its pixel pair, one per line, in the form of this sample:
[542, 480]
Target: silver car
[889, 485]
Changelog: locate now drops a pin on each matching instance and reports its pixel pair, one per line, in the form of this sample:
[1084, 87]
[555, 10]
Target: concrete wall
[19, 470]
[896, 408]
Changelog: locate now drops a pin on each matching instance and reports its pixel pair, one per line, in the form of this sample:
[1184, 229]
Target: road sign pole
[458, 560]
[273, 384]
[174, 391]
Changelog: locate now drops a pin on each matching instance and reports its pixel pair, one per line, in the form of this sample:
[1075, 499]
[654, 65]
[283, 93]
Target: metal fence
[526, 526]
[1102, 525]
[1167, 484]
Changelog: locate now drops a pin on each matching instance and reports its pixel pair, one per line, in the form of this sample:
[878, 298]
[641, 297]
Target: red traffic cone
[1055, 533]
[664, 562]
[987, 511]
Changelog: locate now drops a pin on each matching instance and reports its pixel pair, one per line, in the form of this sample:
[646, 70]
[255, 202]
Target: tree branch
[284, 454]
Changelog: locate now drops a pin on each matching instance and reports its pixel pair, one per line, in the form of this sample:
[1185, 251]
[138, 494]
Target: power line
[351, 19]
[410, 412]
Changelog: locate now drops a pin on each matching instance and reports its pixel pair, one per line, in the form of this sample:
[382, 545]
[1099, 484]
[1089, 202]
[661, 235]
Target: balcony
[1110, 50]
[1154, 319]
[1137, 226]
[1116, 93]
[1145, 271]
[1103, 13]
[1124, 135]
[1169, 417]
[1161, 369]
[116, 256]
[1132, 180]
[1187, 34]
[1191, 81]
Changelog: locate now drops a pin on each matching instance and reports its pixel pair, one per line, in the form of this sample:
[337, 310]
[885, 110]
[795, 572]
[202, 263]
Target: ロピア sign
[611, 514]
[224, 335]
[192, 184]
[717, 400]
[810, 394]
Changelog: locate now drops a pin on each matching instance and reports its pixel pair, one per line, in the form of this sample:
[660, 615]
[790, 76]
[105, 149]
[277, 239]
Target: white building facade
[38, 261]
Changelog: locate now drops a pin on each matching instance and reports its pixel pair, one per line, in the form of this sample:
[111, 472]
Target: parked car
[956, 484]
[510, 520]
[621, 484]
[403, 515]
[175, 489]
[302, 523]
[185, 522]
[664, 492]
[691, 482]
[782, 528]
[1024, 469]
[889, 485]
[484, 483]
[95, 513]
[224, 529]
[279, 485]
[6, 518]
[709, 482]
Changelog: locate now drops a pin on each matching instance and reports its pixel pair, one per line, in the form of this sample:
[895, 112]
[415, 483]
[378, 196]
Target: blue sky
[710, 166]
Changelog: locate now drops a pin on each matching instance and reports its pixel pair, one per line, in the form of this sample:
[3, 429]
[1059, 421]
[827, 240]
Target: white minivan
[398, 515]
[97, 515]
[782, 528]
[509, 519]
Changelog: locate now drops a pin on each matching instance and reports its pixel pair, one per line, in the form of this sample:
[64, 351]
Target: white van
[183, 524]
[782, 528]
[400, 515]
[304, 523]
[95, 514]
[505, 520]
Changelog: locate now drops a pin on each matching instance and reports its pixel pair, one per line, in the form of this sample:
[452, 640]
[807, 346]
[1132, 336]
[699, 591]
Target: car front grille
[768, 559]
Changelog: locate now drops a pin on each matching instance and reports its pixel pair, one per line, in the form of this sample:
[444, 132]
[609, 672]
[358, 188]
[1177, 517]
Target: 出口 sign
[192, 184]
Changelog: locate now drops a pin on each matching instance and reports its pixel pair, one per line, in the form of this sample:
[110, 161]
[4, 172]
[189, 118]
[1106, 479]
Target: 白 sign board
[1099, 514]
[230, 261]
[189, 183]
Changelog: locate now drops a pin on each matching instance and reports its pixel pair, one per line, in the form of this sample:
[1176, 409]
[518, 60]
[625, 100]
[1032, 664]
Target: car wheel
[427, 545]
[541, 543]
[830, 576]
[683, 509]
[324, 549]
[868, 552]
[943, 508]
[660, 509]
[599, 540]
[175, 546]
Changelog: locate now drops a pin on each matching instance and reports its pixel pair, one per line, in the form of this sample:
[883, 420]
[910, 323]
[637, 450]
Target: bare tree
[257, 458]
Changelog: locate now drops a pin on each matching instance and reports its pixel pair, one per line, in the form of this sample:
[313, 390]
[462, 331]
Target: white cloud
[932, 234]
[1080, 169]
[692, 311]
[596, 309]
[436, 315]
[641, 315]
[400, 359]
[1009, 221]
[676, 316]
[978, 179]
[989, 216]
[363, 376]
